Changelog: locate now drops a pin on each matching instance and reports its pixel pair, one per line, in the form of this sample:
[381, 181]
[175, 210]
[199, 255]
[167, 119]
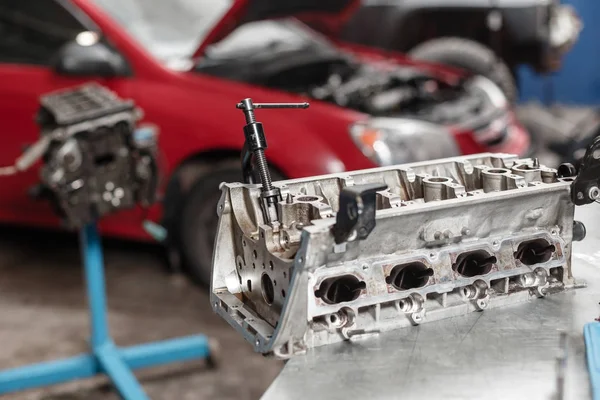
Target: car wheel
[471, 56]
[199, 219]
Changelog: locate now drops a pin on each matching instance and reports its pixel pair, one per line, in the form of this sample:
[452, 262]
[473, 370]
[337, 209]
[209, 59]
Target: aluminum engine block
[452, 236]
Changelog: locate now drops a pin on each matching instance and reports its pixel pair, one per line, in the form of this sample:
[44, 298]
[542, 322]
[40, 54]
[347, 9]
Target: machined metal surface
[452, 236]
[514, 352]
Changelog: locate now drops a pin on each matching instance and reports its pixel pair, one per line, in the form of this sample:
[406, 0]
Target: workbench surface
[502, 353]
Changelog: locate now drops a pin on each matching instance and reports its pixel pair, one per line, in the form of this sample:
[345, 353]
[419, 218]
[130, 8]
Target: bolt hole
[333, 318]
[271, 265]
[249, 284]
[244, 243]
[557, 272]
[254, 254]
[268, 291]
[283, 293]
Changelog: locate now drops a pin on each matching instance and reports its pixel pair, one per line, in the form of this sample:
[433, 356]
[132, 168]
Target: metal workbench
[503, 353]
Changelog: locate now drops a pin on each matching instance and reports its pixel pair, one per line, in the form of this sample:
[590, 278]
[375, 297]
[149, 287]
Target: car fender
[300, 142]
[298, 154]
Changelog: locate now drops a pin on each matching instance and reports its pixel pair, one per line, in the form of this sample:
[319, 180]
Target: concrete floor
[43, 316]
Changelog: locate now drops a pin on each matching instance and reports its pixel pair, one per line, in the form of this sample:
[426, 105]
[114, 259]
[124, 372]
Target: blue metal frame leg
[591, 334]
[105, 357]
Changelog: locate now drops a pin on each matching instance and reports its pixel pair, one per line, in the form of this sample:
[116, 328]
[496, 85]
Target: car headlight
[489, 89]
[390, 141]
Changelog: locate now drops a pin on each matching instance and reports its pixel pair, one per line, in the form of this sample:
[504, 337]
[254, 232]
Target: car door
[31, 34]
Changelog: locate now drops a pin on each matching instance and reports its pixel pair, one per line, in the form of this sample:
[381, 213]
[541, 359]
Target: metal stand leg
[105, 357]
[93, 265]
[591, 334]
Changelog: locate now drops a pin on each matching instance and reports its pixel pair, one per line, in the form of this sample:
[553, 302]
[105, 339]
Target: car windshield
[169, 30]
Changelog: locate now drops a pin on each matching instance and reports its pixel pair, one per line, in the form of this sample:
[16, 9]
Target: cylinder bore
[535, 251]
[340, 289]
[267, 289]
[474, 263]
[409, 276]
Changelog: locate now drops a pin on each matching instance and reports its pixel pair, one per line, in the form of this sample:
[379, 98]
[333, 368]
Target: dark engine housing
[97, 162]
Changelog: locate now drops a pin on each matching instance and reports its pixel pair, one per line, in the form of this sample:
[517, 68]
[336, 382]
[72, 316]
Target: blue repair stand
[105, 357]
[591, 334]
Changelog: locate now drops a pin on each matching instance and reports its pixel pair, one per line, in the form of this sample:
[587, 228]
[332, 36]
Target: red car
[367, 109]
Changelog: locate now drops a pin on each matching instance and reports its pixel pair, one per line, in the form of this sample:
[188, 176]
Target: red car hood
[244, 11]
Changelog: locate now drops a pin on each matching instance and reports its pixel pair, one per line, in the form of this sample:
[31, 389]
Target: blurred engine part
[584, 133]
[489, 38]
[560, 134]
[308, 262]
[95, 160]
[293, 58]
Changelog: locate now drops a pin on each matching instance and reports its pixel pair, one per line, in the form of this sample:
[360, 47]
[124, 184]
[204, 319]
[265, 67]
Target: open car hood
[244, 11]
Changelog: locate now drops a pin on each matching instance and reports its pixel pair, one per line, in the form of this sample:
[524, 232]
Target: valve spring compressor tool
[254, 152]
[307, 262]
[95, 163]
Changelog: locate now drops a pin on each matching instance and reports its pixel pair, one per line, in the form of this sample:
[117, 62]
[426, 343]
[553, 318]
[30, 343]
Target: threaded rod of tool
[263, 169]
[250, 119]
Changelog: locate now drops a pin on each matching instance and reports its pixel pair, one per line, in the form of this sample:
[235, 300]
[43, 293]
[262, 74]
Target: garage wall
[578, 82]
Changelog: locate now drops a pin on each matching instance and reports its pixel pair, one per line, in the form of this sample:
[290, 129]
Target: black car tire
[199, 220]
[198, 224]
[470, 56]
